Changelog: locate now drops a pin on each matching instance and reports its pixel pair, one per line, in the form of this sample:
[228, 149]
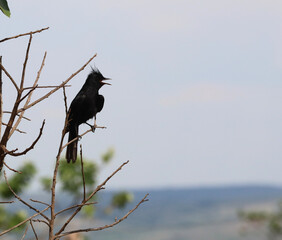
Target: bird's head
[97, 77]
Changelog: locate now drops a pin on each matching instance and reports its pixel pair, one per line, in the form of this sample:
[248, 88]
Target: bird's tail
[71, 154]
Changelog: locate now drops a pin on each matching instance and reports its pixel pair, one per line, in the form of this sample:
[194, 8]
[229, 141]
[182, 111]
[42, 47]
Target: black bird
[84, 106]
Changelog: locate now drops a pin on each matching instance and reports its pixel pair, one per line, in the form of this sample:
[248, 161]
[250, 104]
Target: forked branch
[23, 34]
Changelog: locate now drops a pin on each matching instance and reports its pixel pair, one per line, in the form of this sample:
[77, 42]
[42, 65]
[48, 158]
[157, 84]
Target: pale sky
[196, 95]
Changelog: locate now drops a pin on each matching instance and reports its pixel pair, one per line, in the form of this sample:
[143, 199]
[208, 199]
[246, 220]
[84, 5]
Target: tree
[47, 214]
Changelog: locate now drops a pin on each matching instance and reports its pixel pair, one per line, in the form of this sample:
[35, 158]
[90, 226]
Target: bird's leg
[92, 127]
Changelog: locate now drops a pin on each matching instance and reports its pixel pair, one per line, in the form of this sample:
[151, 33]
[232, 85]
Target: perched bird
[87, 103]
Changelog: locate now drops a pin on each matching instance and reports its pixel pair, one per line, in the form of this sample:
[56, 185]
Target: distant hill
[206, 213]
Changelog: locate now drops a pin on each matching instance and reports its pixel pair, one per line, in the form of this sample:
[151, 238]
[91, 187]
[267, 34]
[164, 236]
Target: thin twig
[7, 202]
[25, 62]
[65, 100]
[21, 200]
[57, 88]
[54, 182]
[23, 222]
[33, 144]
[7, 152]
[30, 221]
[80, 136]
[24, 232]
[9, 76]
[29, 95]
[24, 34]
[14, 170]
[41, 221]
[105, 226]
[18, 130]
[98, 188]
[82, 173]
[75, 206]
[27, 88]
[39, 202]
[18, 115]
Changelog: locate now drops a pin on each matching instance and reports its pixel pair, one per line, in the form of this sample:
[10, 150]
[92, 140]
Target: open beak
[105, 79]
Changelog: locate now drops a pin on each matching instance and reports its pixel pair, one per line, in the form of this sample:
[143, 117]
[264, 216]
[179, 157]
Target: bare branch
[39, 220]
[98, 188]
[18, 130]
[40, 202]
[29, 95]
[17, 115]
[21, 200]
[65, 101]
[33, 144]
[82, 173]
[24, 232]
[23, 222]
[7, 202]
[57, 88]
[14, 170]
[24, 34]
[33, 229]
[54, 182]
[6, 151]
[9, 76]
[75, 206]
[27, 88]
[105, 226]
[25, 62]
[80, 136]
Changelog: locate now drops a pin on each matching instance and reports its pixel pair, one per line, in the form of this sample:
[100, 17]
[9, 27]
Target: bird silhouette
[87, 103]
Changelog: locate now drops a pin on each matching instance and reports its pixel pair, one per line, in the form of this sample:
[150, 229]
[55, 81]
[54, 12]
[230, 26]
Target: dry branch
[57, 88]
[11, 169]
[18, 130]
[33, 144]
[18, 115]
[40, 202]
[24, 232]
[98, 188]
[75, 206]
[7, 202]
[30, 221]
[27, 88]
[105, 226]
[10, 77]
[23, 222]
[82, 173]
[21, 200]
[29, 95]
[25, 62]
[24, 34]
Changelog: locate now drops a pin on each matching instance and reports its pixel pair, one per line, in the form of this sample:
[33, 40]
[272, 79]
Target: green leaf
[5, 8]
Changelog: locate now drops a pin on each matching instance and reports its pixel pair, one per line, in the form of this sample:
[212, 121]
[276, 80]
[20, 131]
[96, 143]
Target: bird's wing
[100, 103]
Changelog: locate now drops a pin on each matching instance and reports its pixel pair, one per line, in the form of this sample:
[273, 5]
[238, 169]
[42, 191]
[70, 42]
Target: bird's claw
[79, 137]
